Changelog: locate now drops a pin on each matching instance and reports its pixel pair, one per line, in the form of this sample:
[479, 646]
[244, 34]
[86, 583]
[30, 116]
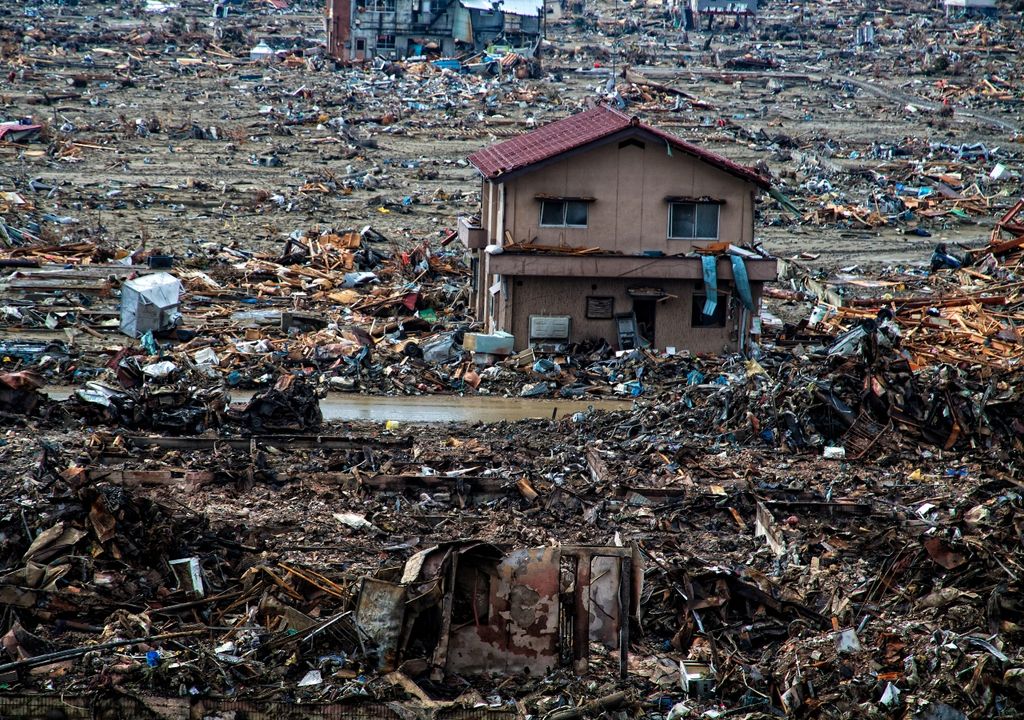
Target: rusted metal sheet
[519, 631]
[481, 610]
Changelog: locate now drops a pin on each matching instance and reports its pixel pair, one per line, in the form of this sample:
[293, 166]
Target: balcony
[471, 234]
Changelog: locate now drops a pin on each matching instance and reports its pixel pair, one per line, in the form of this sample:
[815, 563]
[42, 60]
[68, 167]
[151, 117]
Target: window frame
[724, 306]
[696, 204]
[564, 202]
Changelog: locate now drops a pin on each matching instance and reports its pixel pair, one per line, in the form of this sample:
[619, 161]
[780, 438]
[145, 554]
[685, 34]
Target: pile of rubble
[757, 577]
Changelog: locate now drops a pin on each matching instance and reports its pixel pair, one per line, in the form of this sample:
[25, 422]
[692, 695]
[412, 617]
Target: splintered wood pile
[973, 315]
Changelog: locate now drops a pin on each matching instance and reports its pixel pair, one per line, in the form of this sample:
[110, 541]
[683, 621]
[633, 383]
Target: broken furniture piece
[150, 304]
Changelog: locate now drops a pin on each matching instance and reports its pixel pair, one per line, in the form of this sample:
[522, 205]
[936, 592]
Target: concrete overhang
[622, 266]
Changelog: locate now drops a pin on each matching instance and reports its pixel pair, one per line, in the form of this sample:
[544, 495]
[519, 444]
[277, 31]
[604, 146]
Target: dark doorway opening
[644, 309]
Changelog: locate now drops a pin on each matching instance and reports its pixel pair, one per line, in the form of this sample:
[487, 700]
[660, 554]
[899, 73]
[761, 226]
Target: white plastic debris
[207, 356]
[159, 370]
[354, 521]
[848, 641]
[313, 677]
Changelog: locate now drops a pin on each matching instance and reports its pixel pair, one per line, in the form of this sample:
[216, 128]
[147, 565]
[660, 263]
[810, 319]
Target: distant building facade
[708, 10]
[971, 8]
[392, 29]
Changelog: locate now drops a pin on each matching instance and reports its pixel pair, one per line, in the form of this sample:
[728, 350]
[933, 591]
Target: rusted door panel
[520, 631]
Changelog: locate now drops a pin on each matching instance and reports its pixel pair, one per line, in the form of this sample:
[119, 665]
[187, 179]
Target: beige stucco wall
[629, 186]
[534, 295]
[490, 219]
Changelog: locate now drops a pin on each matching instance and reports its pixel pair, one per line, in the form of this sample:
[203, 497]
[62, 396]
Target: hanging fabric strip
[739, 276]
[709, 263]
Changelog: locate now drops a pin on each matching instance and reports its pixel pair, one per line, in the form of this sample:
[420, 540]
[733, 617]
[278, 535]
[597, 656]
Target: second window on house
[717, 318]
[563, 213]
[693, 221]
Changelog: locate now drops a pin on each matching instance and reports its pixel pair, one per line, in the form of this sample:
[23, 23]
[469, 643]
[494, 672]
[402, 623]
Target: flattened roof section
[576, 131]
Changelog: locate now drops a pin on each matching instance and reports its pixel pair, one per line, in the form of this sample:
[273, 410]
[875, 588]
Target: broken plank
[295, 442]
[766, 526]
[830, 508]
[135, 477]
[487, 484]
[599, 472]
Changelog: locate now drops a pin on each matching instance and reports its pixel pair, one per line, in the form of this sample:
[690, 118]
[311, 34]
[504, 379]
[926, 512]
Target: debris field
[205, 253]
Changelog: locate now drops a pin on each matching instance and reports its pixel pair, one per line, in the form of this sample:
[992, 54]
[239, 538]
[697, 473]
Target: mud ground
[172, 191]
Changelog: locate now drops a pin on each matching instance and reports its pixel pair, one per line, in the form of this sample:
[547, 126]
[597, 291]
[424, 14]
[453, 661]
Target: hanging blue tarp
[709, 263]
[739, 277]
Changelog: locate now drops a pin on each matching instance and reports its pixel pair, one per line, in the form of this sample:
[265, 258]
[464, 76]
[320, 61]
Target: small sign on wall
[546, 327]
[600, 307]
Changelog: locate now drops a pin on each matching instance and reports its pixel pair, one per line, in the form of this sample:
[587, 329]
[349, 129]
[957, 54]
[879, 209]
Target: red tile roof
[18, 131]
[575, 131]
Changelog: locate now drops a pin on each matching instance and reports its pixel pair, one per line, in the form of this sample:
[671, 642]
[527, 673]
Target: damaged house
[598, 226]
[362, 29]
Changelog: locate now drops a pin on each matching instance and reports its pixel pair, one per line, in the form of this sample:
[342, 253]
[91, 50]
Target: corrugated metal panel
[379, 615]
[462, 25]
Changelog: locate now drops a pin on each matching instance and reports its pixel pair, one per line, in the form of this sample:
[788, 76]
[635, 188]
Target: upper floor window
[563, 213]
[693, 221]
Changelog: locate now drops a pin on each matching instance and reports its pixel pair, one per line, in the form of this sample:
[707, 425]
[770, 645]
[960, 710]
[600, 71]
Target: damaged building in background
[971, 8]
[742, 11]
[359, 30]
